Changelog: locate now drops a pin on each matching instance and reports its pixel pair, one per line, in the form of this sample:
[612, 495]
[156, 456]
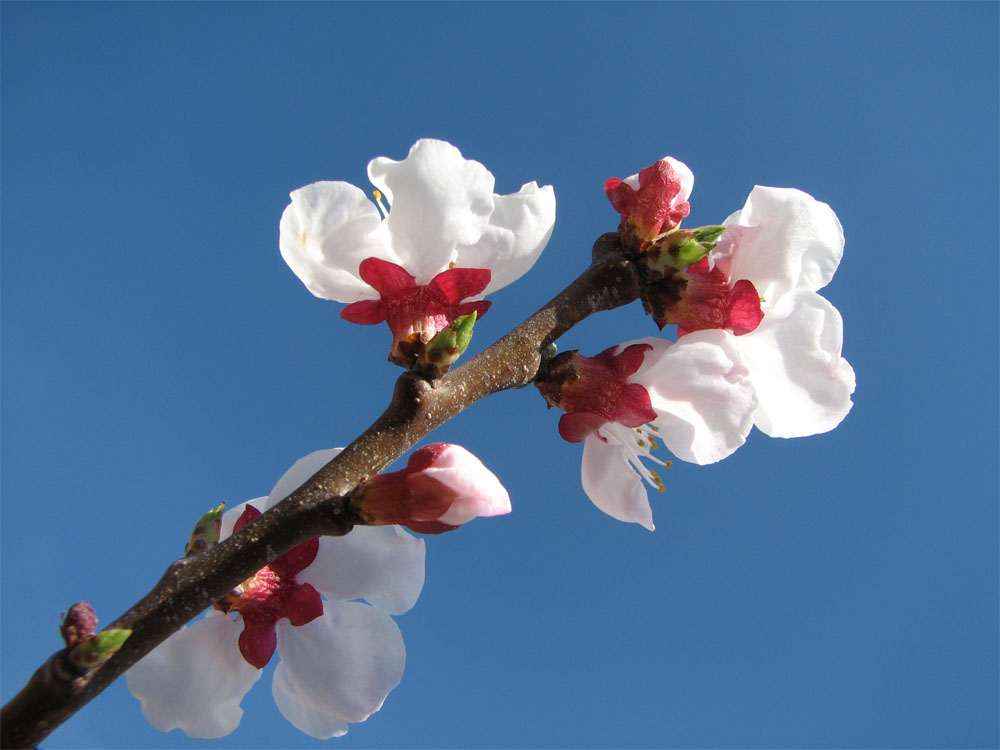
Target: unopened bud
[78, 624]
[206, 532]
[442, 487]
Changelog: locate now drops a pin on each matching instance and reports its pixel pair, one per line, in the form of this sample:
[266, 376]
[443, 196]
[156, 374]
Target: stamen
[633, 442]
[380, 204]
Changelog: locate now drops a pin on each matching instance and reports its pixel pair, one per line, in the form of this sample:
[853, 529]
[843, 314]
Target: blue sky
[159, 357]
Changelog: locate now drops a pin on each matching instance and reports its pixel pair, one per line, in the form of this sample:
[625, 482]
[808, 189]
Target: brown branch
[318, 507]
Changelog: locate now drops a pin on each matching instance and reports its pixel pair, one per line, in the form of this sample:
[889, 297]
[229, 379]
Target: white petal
[803, 385]
[519, 230]
[700, 391]
[438, 200]
[381, 564]
[612, 484]
[231, 516]
[479, 491]
[300, 471]
[195, 679]
[338, 668]
[796, 243]
[326, 231]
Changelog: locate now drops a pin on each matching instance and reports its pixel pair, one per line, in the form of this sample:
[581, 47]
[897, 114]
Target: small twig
[192, 584]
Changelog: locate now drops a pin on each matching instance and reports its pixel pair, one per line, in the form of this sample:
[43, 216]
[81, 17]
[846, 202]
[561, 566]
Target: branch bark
[319, 507]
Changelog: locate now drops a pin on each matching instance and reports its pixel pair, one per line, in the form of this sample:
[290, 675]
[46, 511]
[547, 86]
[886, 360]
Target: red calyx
[270, 594]
[698, 299]
[408, 497]
[594, 391]
[651, 210]
[416, 313]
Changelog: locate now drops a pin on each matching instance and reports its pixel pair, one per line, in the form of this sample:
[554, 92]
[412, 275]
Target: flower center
[270, 594]
[638, 444]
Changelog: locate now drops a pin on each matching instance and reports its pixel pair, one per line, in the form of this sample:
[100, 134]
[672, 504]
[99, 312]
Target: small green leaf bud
[206, 532]
[446, 347]
[93, 652]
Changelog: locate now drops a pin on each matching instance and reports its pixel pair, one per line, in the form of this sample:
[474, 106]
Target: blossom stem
[320, 506]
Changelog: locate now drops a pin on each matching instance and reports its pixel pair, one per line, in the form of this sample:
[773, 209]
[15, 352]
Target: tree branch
[319, 507]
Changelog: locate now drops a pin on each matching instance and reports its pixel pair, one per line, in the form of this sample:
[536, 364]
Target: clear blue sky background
[158, 355]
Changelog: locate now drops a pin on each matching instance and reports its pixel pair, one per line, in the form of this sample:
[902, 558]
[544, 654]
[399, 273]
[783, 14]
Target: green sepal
[710, 233]
[446, 347]
[206, 532]
[95, 651]
[682, 247]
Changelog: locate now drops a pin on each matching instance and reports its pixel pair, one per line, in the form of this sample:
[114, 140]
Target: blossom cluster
[755, 345]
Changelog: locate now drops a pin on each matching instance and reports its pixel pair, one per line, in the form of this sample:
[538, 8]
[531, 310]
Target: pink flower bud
[442, 487]
[79, 624]
[652, 202]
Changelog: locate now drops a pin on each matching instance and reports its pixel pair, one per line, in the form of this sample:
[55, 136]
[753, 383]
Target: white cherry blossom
[445, 241]
[334, 670]
[789, 245]
[624, 402]
[443, 212]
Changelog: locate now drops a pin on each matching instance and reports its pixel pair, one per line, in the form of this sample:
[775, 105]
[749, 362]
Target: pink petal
[477, 489]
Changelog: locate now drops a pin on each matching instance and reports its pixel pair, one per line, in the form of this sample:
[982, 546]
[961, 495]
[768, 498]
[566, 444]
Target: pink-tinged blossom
[789, 245]
[339, 658]
[652, 202]
[623, 402]
[442, 487]
[446, 241]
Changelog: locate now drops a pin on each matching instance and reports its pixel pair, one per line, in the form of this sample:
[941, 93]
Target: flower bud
[78, 624]
[206, 532]
[651, 203]
[442, 487]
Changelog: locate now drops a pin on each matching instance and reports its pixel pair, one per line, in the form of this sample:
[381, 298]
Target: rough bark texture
[319, 507]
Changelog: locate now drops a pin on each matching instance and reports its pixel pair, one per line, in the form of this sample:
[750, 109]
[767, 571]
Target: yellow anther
[661, 488]
[451, 265]
[668, 464]
[642, 443]
[377, 194]
[654, 428]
